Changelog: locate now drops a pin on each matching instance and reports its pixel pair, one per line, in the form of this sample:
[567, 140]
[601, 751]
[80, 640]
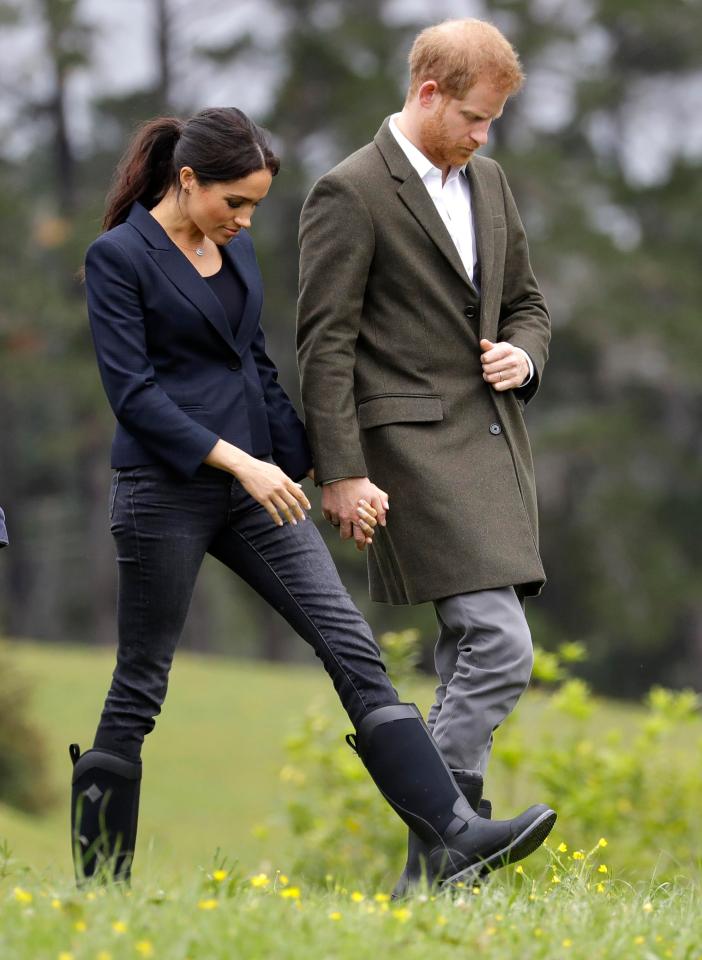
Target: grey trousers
[483, 658]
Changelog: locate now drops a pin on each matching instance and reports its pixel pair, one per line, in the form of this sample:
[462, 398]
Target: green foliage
[341, 825]
[635, 784]
[23, 775]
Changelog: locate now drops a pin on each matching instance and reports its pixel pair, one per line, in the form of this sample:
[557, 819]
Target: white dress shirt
[452, 201]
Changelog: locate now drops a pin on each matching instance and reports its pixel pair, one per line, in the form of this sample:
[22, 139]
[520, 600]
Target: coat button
[469, 313]
[235, 365]
[495, 429]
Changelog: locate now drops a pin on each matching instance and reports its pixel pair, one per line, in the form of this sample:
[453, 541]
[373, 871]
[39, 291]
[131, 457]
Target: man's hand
[504, 366]
[353, 505]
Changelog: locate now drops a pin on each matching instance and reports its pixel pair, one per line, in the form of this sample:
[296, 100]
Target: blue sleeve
[138, 402]
[291, 451]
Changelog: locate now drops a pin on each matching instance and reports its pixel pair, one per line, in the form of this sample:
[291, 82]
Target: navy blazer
[175, 375]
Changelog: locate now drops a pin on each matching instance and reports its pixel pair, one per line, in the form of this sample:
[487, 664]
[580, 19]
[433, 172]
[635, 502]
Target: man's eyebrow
[481, 116]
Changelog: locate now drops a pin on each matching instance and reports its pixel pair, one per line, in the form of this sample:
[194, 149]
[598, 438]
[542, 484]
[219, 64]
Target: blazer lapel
[247, 272]
[416, 198]
[181, 273]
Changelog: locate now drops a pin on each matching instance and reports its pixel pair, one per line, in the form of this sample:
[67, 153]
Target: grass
[208, 881]
[220, 914]
[210, 766]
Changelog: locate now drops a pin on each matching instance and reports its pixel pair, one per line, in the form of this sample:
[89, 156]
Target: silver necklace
[200, 251]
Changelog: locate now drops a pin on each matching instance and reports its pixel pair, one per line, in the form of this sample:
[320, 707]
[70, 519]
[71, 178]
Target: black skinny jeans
[163, 527]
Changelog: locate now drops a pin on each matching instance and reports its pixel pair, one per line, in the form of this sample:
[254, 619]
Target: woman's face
[221, 209]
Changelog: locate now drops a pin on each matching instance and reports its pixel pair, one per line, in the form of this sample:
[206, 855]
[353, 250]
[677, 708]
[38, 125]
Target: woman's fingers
[288, 507]
[299, 494]
[365, 519]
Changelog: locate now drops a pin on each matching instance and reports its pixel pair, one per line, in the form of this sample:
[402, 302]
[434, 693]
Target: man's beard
[439, 146]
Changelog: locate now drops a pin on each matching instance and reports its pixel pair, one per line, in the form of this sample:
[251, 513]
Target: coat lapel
[414, 195]
[181, 273]
[484, 239]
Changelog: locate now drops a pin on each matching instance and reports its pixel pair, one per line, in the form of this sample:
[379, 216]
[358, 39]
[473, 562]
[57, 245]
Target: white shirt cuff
[530, 375]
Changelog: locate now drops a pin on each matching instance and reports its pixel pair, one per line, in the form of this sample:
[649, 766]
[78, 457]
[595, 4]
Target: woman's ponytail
[146, 171]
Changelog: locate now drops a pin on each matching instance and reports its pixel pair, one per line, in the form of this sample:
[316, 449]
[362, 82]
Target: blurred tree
[614, 238]
[602, 150]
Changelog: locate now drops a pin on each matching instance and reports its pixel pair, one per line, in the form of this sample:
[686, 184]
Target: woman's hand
[274, 490]
[265, 482]
[366, 521]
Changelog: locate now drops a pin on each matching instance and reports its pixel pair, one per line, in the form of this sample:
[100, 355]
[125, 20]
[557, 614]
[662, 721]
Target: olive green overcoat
[388, 347]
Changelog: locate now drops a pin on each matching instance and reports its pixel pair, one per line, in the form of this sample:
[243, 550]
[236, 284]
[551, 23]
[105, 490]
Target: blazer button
[235, 365]
[469, 313]
[495, 429]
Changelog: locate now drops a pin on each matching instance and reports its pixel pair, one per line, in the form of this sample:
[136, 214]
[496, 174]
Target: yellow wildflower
[567, 942]
[104, 955]
[144, 948]
[402, 914]
[220, 875]
[283, 880]
[335, 915]
[647, 907]
[80, 926]
[22, 896]
[562, 848]
[602, 868]
[260, 880]
[519, 869]
[441, 920]
[578, 855]
[639, 940]
[602, 842]
[119, 926]
[357, 896]
[476, 891]
[537, 931]
[56, 904]
[90, 895]
[209, 904]
[291, 893]
[555, 878]
[600, 888]
[381, 897]
[65, 955]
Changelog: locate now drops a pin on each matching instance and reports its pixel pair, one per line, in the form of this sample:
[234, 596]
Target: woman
[208, 454]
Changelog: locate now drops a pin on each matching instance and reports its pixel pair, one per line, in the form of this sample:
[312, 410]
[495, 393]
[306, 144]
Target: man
[422, 334]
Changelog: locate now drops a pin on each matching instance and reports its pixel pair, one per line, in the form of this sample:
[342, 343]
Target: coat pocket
[399, 408]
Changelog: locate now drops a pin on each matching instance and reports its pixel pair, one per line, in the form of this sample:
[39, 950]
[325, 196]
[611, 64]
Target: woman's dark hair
[219, 143]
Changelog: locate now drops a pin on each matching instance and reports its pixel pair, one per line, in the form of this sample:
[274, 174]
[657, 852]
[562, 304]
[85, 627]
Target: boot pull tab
[74, 751]
[351, 740]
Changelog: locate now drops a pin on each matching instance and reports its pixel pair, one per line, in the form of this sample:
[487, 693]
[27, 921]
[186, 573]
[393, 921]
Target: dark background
[603, 151]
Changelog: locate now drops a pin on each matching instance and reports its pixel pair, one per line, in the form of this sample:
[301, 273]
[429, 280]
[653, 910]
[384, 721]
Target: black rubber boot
[407, 767]
[417, 867]
[104, 812]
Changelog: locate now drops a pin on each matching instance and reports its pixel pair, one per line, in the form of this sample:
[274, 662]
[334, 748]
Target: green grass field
[210, 767]
[212, 797]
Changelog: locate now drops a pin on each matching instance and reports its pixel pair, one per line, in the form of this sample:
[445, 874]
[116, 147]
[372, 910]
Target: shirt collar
[421, 163]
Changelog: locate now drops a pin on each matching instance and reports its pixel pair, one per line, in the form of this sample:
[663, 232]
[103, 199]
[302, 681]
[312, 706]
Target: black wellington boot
[398, 751]
[104, 811]
[418, 867]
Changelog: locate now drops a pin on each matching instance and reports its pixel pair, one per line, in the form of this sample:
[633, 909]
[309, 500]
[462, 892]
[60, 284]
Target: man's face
[452, 130]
